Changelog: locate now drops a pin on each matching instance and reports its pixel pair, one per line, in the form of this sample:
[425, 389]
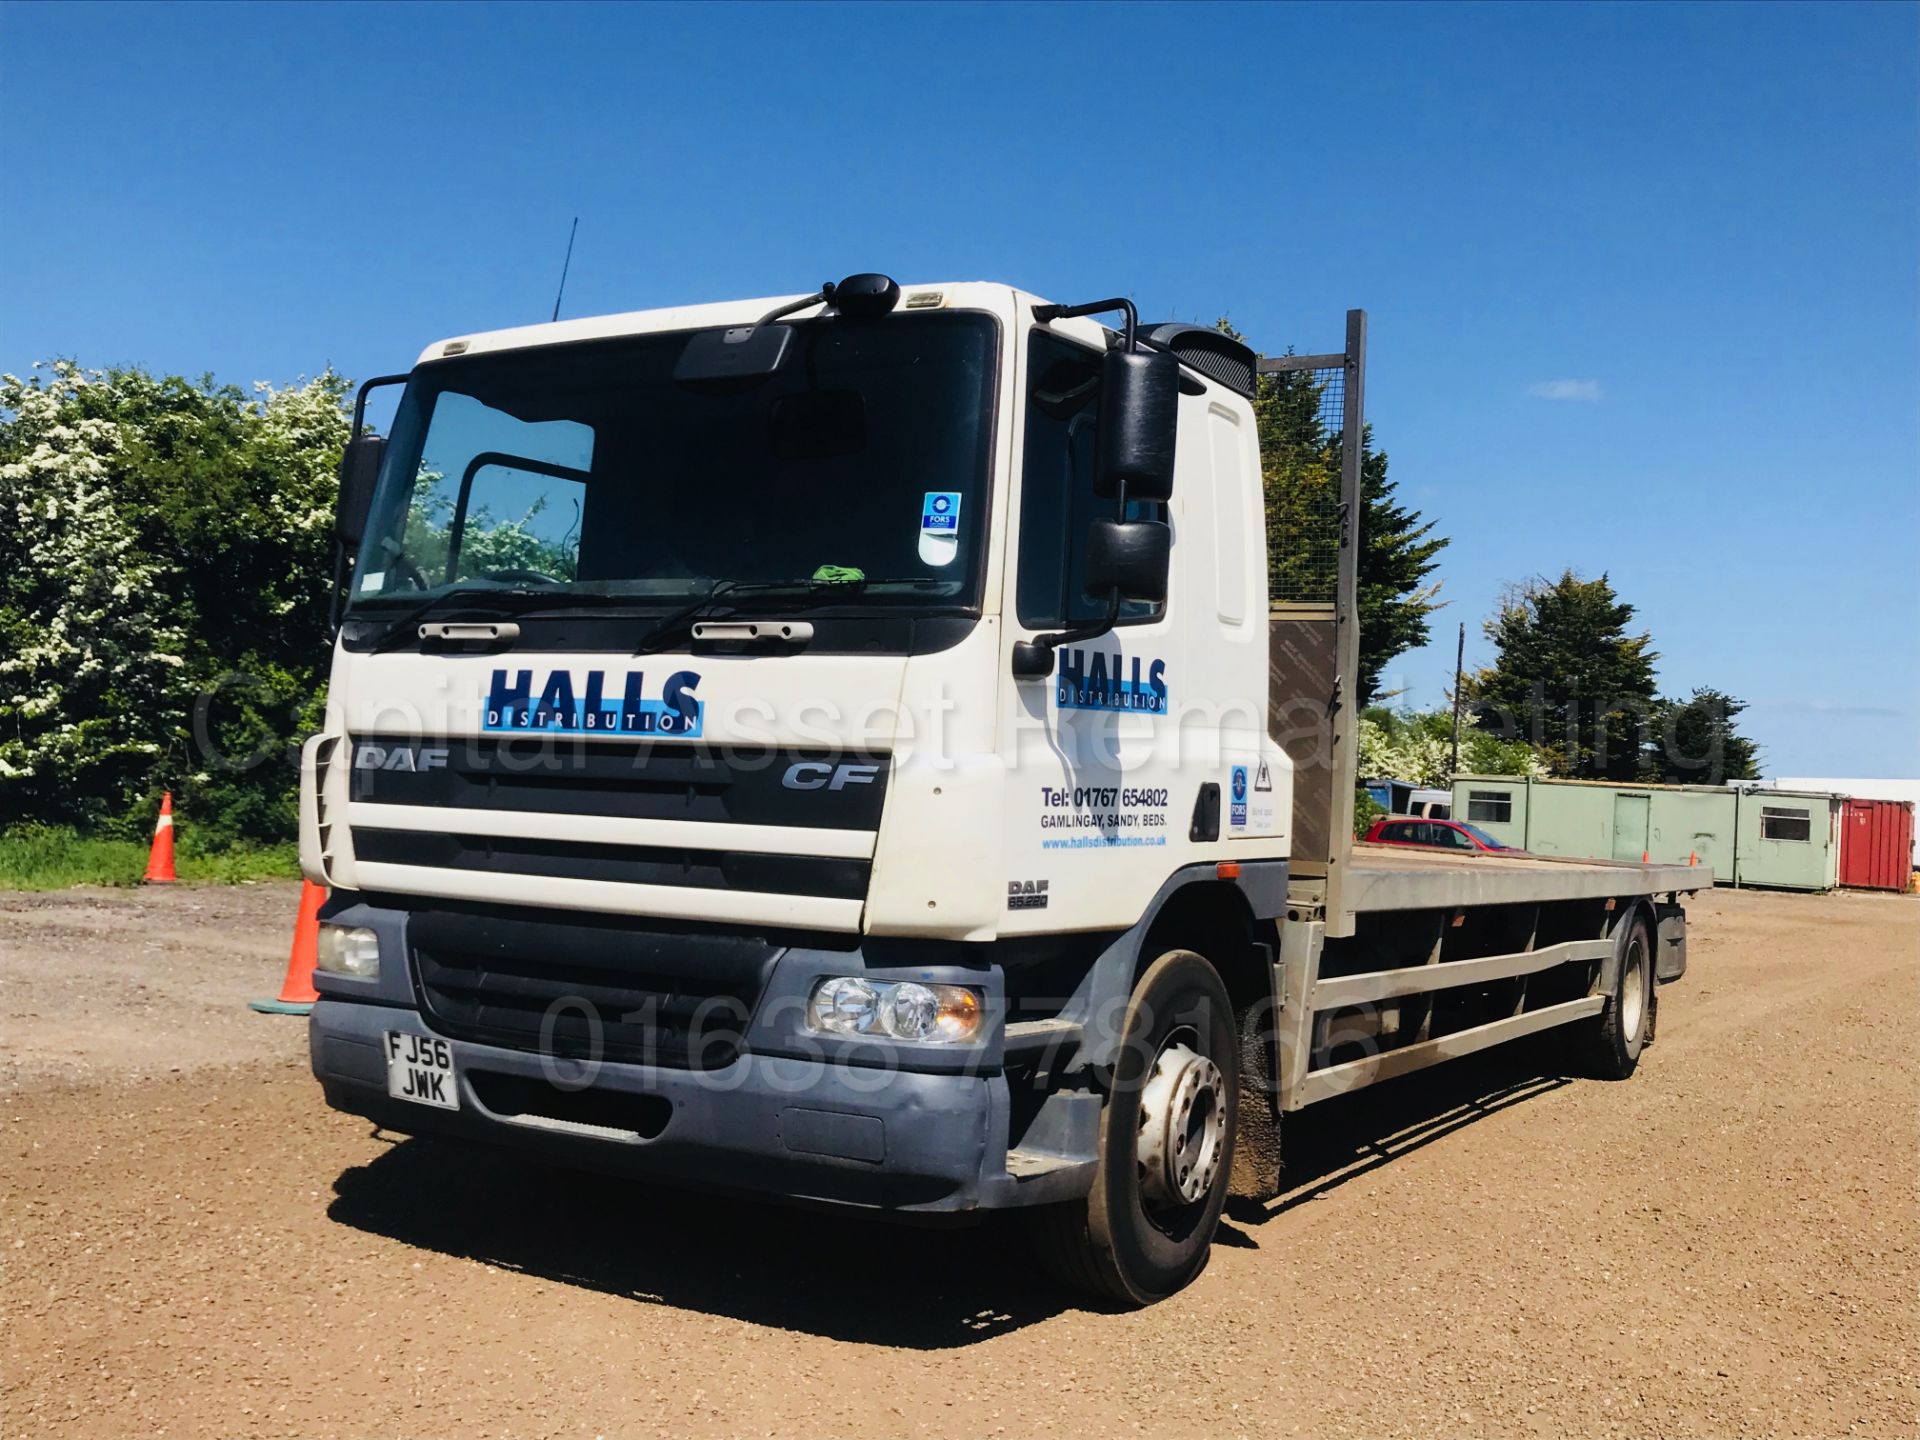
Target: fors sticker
[940, 527]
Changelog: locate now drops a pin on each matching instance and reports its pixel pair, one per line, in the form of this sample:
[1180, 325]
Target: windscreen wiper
[399, 628]
[787, 590]
[693, 610]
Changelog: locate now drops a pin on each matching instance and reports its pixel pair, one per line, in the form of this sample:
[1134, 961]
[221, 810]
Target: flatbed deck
[1401, 877]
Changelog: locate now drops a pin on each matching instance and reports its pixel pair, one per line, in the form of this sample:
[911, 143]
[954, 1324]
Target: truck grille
[585, 989]
[628, 779]
[626, 864]
[634, 827]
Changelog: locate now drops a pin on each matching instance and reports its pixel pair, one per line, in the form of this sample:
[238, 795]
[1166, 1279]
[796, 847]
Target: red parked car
[1435, 834]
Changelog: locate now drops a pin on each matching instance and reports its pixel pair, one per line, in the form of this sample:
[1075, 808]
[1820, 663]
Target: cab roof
[959, 295]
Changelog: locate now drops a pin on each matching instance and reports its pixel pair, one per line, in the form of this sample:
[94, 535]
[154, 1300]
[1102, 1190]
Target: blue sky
[1642, 279]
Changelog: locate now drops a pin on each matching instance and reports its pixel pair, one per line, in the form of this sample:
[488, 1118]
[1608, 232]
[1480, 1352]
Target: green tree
[1695, 741]
[1300, 481]
[1417, 745]
[1300, 476]
[1397, 554]
[90, 653]
[162, 594]
[1568, 678]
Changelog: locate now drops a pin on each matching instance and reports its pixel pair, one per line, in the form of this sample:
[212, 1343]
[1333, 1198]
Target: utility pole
[1459, 663]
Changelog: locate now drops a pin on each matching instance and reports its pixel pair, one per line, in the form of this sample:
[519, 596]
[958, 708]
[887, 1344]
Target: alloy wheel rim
[1183, 1127]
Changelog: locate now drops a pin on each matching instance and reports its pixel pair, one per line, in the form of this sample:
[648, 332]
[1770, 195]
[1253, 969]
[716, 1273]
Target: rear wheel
[1611, 1042]
[1166, 1144]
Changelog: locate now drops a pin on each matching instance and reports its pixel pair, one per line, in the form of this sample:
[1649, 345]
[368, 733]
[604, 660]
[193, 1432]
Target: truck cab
[687, 742]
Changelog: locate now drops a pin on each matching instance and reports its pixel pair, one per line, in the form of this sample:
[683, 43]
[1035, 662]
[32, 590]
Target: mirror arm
[360, 401]
[1048, 313]
[505, 461]
[336, 600]
[824, 297]
[1033, 659]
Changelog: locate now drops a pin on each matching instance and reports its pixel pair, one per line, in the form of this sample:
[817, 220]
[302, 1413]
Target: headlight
[348, 950]
[905, 1010]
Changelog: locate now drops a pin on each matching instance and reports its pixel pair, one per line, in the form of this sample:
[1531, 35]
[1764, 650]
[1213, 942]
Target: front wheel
[1166, 1144]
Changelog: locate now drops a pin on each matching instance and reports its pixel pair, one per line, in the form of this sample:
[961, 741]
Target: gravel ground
[108, 985]
[1727, 1244]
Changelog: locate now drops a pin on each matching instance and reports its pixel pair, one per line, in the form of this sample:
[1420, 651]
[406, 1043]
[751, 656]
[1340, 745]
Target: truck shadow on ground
[846, 1277]
[841, 1276]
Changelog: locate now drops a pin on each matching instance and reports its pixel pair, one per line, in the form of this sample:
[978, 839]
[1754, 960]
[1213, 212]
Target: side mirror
[1129, 558]
[1126, 560]
[359, 470]
[1139, 412]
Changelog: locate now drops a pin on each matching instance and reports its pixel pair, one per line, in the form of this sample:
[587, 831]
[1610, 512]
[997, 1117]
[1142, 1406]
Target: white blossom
[93, 667]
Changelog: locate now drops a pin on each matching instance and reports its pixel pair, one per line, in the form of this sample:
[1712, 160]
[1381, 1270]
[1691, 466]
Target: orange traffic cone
[296, 992]
[160, 854]
[1643, 857]
[1693, 857]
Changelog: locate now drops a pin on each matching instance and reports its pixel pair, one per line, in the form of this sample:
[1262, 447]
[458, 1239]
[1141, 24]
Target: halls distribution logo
[515, 707]
[1095, 680]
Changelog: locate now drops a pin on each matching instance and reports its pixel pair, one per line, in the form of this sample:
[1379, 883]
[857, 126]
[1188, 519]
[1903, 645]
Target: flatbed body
[1432, 955]
[1406, 877]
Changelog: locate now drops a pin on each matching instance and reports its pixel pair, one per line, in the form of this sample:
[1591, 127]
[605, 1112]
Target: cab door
[1145, 749]
[1094, 815]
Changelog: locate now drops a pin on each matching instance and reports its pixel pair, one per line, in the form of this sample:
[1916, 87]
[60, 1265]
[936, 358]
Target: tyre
[1610, 1043]
[1166, 1144]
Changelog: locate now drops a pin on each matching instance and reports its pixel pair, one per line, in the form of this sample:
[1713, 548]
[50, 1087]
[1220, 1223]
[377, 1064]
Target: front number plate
[420, 1069]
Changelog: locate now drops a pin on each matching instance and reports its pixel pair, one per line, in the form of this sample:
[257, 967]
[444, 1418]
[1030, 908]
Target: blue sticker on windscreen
[940, 527]
[941, 512]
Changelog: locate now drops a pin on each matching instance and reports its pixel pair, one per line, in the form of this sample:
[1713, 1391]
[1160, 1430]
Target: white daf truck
[844, 749]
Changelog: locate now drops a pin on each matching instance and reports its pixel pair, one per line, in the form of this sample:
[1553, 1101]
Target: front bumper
[807, 1130]
[790, 1115]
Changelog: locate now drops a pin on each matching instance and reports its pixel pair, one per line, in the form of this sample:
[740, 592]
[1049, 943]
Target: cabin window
[1779, 823]
[1231, 522]
[1057, 493]
[1495, 806]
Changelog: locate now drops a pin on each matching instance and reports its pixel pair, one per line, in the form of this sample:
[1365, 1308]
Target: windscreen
[859, 464]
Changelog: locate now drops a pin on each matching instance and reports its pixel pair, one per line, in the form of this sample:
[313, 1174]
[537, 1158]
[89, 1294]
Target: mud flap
[1670, 943]
[1256, 1146]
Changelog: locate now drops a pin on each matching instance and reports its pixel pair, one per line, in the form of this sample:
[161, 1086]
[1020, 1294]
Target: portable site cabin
[1789, 838]
[1746, 837]
[1872, 827]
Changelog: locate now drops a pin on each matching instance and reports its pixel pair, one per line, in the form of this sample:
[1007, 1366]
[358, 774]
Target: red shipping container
[1876, 844]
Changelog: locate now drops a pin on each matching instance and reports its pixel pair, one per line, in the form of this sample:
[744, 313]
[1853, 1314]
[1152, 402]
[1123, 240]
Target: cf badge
[819, 775]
